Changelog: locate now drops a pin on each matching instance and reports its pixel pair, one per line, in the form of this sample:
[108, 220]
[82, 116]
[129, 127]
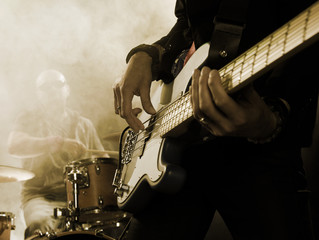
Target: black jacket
[295, 81]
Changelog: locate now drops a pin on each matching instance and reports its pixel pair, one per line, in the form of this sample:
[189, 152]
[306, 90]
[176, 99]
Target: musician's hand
[59, 144]
[74, 148]
[136, 81]
[246, 116]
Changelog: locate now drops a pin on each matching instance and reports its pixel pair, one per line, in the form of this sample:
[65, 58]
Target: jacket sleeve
[177, 40]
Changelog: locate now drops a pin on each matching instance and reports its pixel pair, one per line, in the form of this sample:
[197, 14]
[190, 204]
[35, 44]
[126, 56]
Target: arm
[139, 75]
[23, 145]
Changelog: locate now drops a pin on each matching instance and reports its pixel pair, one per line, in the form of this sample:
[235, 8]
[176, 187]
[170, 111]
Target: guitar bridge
[129, 147]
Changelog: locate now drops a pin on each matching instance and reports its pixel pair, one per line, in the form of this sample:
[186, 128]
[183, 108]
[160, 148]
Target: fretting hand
[246, 116]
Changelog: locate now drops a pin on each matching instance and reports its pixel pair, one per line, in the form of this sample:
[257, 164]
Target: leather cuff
[152, 51]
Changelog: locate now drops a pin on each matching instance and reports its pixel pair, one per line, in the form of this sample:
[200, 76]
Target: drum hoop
[66, 233]
[88, 161]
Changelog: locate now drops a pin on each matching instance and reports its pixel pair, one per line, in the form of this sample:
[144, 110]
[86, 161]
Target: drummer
[47, 137]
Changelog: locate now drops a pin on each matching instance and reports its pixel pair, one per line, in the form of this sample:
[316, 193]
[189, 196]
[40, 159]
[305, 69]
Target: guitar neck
[291, 38]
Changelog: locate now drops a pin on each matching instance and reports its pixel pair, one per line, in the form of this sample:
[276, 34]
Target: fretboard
[292, 37]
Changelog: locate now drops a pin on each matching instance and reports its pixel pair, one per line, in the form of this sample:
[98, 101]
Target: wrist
[280, 110]
[152, 51]
[142, 58]
[54, 143]
[272, 134]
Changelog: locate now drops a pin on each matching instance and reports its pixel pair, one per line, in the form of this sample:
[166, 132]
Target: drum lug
[97, 169]
[50, 235]
[100, 201]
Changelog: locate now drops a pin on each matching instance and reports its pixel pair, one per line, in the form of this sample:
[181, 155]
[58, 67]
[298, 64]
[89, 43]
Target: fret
[277, 46]
[222, 72]
[263, 50]
[305, 26]
[261, 55]
[249, 63]
[313, 22]
[229, 70]
[286, 37]
[237, 73]
[238, 66]
[228, 76]
[175, 114]
[296, 32]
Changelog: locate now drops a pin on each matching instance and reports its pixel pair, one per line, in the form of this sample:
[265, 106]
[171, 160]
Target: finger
[194, 93]
[206, 102]
[132, 119]
[117, 99]
[216, 121]
[221, 99]
[146, 100]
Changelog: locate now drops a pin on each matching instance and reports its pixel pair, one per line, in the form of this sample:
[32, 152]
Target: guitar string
[157, 132]
[255, 64]
[159, 118]
[229, 70]
[263, 59]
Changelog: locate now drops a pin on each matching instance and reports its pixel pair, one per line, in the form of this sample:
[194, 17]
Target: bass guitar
[144, 163]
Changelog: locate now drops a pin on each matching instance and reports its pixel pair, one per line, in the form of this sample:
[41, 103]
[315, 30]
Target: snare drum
[94, 183]
[7, 223]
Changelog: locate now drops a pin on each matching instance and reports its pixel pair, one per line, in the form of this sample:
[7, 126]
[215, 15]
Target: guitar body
[149, 160]
[153, 163]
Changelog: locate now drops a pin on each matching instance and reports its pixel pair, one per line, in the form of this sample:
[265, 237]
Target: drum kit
[91, 210]
[91, 203]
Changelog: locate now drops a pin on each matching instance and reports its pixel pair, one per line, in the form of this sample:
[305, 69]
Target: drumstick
[111, 153]
[96, 151]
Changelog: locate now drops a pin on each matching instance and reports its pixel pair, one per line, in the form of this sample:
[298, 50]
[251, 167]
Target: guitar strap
[229, 24]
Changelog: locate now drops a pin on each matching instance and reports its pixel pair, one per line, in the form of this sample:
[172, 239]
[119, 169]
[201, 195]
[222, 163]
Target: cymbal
[13, 174]
[113, 136]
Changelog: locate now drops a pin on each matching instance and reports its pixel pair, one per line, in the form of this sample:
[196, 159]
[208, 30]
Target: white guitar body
[148, 168]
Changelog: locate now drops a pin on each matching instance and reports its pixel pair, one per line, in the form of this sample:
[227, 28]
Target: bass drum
[71, 235]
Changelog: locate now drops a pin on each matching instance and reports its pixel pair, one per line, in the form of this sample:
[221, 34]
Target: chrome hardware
[129, 147]
[117, 183]
[100, 201]
[223, 53]
[116, 178]
[79, 175]
[10, 220]
[121, 189]
[97, 169]
[50, 235]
